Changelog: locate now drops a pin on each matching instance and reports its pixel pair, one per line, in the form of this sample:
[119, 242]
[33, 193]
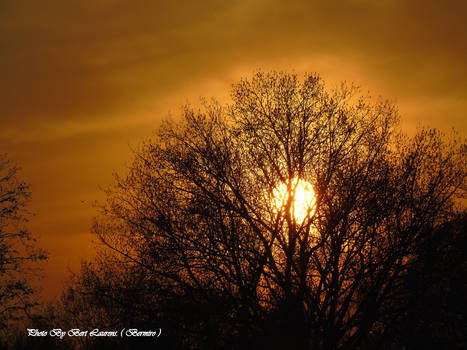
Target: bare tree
[16, 249]
[432, 302]
[208, 215]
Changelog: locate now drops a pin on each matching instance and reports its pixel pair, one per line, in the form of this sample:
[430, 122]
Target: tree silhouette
[197, 229]
[16, 250]
[432, 295]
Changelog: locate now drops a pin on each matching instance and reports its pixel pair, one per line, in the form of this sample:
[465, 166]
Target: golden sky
[82, 81]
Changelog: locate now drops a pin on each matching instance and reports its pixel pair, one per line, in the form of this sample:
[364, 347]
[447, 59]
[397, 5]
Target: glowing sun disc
[304, 199]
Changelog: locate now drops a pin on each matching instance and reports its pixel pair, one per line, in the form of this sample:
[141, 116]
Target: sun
[304, 199]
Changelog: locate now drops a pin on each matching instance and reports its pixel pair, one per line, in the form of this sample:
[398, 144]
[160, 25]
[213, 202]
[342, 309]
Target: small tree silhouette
[16, 250]
[196, 224]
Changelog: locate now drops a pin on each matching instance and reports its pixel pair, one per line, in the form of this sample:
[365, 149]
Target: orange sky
[82, 81]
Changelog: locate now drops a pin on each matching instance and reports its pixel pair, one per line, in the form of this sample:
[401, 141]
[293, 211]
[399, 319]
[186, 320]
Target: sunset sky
[83, 82]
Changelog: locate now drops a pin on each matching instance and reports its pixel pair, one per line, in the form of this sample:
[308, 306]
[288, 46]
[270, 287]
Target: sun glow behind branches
[304, 199]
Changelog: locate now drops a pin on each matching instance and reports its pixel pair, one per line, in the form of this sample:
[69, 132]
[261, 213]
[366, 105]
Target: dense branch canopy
[196, 212]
